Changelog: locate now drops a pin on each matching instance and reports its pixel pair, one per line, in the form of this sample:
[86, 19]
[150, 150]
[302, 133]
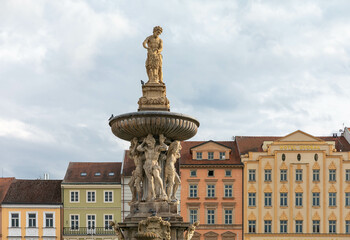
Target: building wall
[219, 203]
[23, 232]
[98, 208]
[314, 154]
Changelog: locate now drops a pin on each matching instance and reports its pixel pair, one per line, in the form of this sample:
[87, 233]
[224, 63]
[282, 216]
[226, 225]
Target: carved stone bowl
[175, 126]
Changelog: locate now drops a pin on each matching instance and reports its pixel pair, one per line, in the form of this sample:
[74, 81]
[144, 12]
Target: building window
[210, 155]
[111, 174]
[332, 199]
[283, 226]
[108, 196]
[228, 173]
[210, 173]
[267, 226]
[268, 175]
[347, 199]
[251, 226]
[222, 155]
[315, 199]
[347, 226]
[347, 175]
[332, 175]
[49, 220]
[298, 157]
[299, 226]
[316, 226]
[251, 199]
[298, 175]
[193, 215]
[193, 191]
[210, 216]
[332, 226]
[14, 220]
[299, 199]
[199, 156]
[32, 220]
[91, 196]
[283, 157]
[108, 219]
[228, 216]
[284, 199]
[210, 190]
[316, 175]
[97, 174]
[91, 221]
[228, 191]
[83, 174]
[251, 175]
[74, 196]
[193, 173]
[268, 199]
[283, 175]
[74, 222]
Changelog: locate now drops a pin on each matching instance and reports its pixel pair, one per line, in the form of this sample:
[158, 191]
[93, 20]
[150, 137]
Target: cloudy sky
[239, 67]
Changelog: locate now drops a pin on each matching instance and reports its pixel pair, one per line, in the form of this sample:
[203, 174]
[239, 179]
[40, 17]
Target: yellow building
[296, 187]
[31, 210]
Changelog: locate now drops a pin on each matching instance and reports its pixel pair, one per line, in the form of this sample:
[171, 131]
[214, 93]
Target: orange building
[211, 189]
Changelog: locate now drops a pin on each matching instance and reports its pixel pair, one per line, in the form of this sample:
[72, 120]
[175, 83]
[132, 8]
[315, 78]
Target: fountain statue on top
[154, 134]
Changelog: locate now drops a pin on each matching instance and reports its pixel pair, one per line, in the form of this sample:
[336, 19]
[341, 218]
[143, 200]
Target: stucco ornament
[190, 231]
[117, 230]
[153, 228]
[154, 61]
[151, 166]
[172, 179]
[136, 180]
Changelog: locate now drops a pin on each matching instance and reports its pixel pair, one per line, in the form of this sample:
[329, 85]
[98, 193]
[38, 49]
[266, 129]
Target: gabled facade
[91, 193]
[211, 189]
[296, 187]
[32, 210]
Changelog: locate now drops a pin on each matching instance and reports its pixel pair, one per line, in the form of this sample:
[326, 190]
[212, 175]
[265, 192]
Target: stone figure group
[149, 157]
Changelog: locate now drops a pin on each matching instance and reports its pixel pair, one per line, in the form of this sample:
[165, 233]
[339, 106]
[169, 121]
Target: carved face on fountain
[150, 141]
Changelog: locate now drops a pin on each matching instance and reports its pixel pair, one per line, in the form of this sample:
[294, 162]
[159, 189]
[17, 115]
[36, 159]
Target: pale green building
[91, 195]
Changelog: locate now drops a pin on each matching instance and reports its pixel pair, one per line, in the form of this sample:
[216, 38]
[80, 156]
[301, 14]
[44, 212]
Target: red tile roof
[4, 186]
[247, 144]
[93, 172]
[186, 156]
[34, 192]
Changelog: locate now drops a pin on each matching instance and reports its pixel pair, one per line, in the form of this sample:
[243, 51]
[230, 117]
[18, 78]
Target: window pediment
[299, 217]
[283, 216]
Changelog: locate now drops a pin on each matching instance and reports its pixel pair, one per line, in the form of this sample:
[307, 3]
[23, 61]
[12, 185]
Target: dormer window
[210, 155]
[97, 174]
[222, 155]
[199, 156]
[83, 174]
[111, 174]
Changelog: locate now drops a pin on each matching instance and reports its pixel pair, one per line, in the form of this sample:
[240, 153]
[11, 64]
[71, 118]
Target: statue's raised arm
[154, 61]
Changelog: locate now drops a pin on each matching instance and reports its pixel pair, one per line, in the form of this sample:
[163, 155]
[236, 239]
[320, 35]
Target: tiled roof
[186, 156]
[254, 143]
[93, 172]
[4, 186]
[34, 192]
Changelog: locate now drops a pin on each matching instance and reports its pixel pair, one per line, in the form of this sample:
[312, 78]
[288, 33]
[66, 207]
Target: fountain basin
[174, 126]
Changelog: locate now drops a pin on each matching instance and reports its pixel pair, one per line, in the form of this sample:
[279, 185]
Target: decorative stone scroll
[153, 228]
[191, 230]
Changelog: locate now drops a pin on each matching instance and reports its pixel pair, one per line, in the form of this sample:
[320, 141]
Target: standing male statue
[172, 179]
[154, 46]
[137, 174]
[151, 167]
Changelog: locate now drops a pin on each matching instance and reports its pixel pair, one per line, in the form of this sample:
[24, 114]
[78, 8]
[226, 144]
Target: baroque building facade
[296, 187]
[211, 189]
[91, 194]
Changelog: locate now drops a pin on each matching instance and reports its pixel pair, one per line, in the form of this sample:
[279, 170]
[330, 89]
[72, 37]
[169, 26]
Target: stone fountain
[154, 134]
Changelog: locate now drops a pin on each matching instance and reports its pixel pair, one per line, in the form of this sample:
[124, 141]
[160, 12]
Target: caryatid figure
[137, 174]
[154, 61]
[151, 167]
[172, 179]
